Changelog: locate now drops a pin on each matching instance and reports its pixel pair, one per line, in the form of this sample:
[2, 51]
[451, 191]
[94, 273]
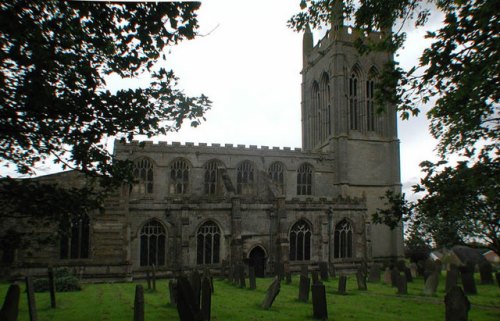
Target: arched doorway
[257, 259]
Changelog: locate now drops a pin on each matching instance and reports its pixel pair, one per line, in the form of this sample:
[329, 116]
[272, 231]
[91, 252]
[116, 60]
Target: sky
[248, 62]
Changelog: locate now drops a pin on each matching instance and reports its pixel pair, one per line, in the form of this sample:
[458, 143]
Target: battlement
[347, 35]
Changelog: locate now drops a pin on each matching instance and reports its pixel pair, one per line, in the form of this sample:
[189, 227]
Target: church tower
[339, 115]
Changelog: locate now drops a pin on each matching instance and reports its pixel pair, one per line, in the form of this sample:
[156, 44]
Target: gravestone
[236, 276]
[148, 278]
[279, 270]
[271, 293]
[30, 292]
[186, 305]
[431, 284]
[319, 301]
[364, 268]
[153, 270]
[401, 266]
[468, 282]
[304, 270]
[251, 278]
[486, 273]
[497, 275]
[304, 285]
[451, 277]
[139, 303]
[387, 276]
[52, 288]
[315, 278]
[414, 269]
[195, 281]
[288, 277]
[333, 274]
[402, 284]
[172, 289]
[223, 271]
[323, 271]
[342, 284]
[206, 298]
[10, 307]
[374, 275]
[394, 277]
[429, 268]
[409, 277]
[361, 278]
[241, 276]
[457, 305]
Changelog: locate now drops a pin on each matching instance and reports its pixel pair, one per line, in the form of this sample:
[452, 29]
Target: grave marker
[468, 282]
[30, 292]
[304, 270]
[431, 284]
[486, 273]
[10, 307]
[319, 301]
[195, 280]
[186, 305]
[288, 277]
[332, 271]
[394, 277]
[251, 278]
[206, 298]
[304, 285]
[148, 278]
[387, 276]
[52, 288]
[172, 289]
[342, 284]
[361, 278]
[139, 303]
[457, 305]
[451, 278]
[402, 284]
[323, 271]
[315, 277]
[271, 293]
[374, 275]
[409, 277]
[154, 277]
[241, 276]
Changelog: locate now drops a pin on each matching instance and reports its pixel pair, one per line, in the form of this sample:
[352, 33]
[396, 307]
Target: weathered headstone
[279, 270]
[315, 278]
[361, 278]
[486, 273]
[468, 282]
[271, 293]
[414, 269]
[429, 268]
[319, 301]
[394, 277]
[139, 303]
[374, 275]
[148, 278]
[387, 276]
[206, 298]
[304, 270]
[323, 271]
[304, 285]
[431, 284]
[409, 277]
[333, 274]
[451, 278]
[153, 270]
[223, 271]
[342, 284]
[10, 307]
[288, 277]
[457, 305]
[241, 276]
[195, 280]
[402, 284]
[30, 292]
[236, 276]
[172, 289]
[52, 288]
[186, 306]
[251, 278]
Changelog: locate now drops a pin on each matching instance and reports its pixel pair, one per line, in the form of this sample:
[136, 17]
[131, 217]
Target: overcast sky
[248, 63]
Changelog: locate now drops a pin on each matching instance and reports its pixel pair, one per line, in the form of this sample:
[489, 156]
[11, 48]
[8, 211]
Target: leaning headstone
[304, 270]
[10, 307]
[186, 306]
[153, 270]
[319, 301]
[52, 288]
[402, 284]
[361, 278]
[374, 275]
[451, 278]
[323, 271]
[315, 277]
[486, 273]
[304, 285]
[251, 278]
[271, 293]
[394, 277]
[431, 284]
[468, 282]
[457, 305]
[409, 277]
[241, 276]
[30, 292]
[172, 289]
[139, 303]
[195, 280]
[342, 284]
[206, 298]
[333, 274]
[387, 276]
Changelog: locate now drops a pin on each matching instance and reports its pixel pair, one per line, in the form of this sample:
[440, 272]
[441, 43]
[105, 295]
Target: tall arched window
[153, 238]
[325, 107]
[179, 177]
[208, 243]
[245, 178]
[343, 240]
[75, 244]
[213, 180]
[304, 180]
[370, 112]
[353, 102]
[143, 173]
[275, 173]
[300, 241]
[314, 114]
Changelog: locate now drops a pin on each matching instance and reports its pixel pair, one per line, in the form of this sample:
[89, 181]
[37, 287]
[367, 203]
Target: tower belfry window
[143, 173]
[353, 102]
[179, 177]
[370, 112]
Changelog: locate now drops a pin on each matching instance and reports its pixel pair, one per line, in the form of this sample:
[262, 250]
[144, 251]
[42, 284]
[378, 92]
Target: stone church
[201, 205]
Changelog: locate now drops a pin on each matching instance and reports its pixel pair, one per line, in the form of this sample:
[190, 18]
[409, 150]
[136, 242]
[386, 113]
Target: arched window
[153, 239]
[300, 241]
[325, 127]
[275, 173]
[314, 115]
[213, 180]
[179, 177]
[208, 243]
[353, 102]
[304, 180]
[370, 112]
[143, 173]
[245, 178]
[75, 243]
[343, 240]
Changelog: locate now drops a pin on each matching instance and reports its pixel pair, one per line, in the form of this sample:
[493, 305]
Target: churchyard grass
[114, 301]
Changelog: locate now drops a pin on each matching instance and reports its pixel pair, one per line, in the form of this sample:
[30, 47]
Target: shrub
[64, 281]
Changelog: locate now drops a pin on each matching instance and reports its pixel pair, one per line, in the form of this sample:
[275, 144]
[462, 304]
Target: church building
[209, 206]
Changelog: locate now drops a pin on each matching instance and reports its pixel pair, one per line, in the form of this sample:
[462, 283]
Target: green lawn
[115, 302]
